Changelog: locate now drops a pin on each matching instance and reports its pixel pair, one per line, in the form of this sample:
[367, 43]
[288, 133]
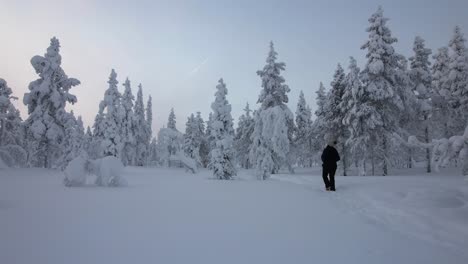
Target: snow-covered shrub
[75, 172]
[108, 171]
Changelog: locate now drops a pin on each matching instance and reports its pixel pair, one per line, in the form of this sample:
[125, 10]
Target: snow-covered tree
[441, 109]
[111, 113]
[170, 141]
[74, 139]
[12, 151]
[149, 127]
[359, 117]
[421, 81]
[243, 138]
[202, 137]
[171, 122]
[380, 82]
[128, 126]
[222, 154]
[46, 101]
[302, 137]
[192, 139]
[458, 80]
[274, 122]
[141, 128]
[334, 115]
[153, 153]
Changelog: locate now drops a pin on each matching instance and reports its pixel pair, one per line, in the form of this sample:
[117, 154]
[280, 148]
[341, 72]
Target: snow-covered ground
[169, 216]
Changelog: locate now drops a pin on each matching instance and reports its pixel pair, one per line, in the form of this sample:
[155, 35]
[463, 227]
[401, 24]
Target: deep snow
[169, 216]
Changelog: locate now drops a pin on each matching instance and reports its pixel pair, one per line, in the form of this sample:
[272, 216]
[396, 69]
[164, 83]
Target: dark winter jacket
[330, 156]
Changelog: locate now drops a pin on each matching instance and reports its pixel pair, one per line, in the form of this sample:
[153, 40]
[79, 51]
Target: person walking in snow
[330, 157]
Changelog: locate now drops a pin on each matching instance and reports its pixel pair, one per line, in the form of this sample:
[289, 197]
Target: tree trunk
[373, 162]
[428, 150]
[344, 159]
[410, 157]
[385, 165]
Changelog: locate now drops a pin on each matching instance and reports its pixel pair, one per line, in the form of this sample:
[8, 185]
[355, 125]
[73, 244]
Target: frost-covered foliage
[153, 153]
[302, 135]
[441, 110]
[421, 81]
[458, 80]
[11, 130]
[243, 138]
[203, 139]
[128, 155]
[109, 129]
[171, 122]
[46, 101]
[192, 139]
[465, 153]
[318, 125]
[222, 154]
[141, 129]
[335, 114]
[149, 129]
[74, 139]
[170, 141]
[274, 122]
[381, 84]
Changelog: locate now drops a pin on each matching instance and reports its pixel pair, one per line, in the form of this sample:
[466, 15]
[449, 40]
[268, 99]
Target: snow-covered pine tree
[88, 146]
[140, 129]
[421, 80]
[334, 115]
[128, 126]
[222, 154]
[458, 80]
[243, 138]
[153, 153]
[441, 110]
[12, 151]
[110, 119]
[274, 122]
[46, 101]
[303, 130]
[379, 77]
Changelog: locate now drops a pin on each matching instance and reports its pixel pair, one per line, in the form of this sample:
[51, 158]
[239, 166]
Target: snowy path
[167, 216]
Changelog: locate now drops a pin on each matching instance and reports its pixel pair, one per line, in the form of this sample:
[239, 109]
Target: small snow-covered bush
[108, 171]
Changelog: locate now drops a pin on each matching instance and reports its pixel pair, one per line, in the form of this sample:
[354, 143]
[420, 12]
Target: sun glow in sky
[179, 49]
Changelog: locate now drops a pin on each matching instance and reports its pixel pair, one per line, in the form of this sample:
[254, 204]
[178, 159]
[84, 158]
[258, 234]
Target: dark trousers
[328, 175]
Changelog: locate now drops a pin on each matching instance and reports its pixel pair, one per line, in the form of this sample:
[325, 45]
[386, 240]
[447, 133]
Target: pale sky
[179, 49]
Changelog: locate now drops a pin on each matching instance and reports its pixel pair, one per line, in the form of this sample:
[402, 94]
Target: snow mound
[108, 171]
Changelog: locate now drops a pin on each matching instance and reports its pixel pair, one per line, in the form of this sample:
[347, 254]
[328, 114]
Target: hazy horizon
[179, 49]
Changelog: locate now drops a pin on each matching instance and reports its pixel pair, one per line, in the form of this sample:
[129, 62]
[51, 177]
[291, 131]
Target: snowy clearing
[169, 216]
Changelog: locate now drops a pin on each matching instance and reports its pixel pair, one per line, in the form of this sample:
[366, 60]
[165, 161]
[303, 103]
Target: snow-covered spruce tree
[222, 154]
[74, 139]
[128, 155]
[441, 109]
[171, 122]
[274, 122]
[302, 139]
[149, 127]
[12, 151]
[458, 80]
[110, 128]
[169, 142]
[360, 118]
[379, 78]
[46, 101]
[243, 138]
[334, 115]
[318, 125]
[140, 129]
[191, 142]
[202, 138]
[421, 81]
[88, 142]
[153, 153]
